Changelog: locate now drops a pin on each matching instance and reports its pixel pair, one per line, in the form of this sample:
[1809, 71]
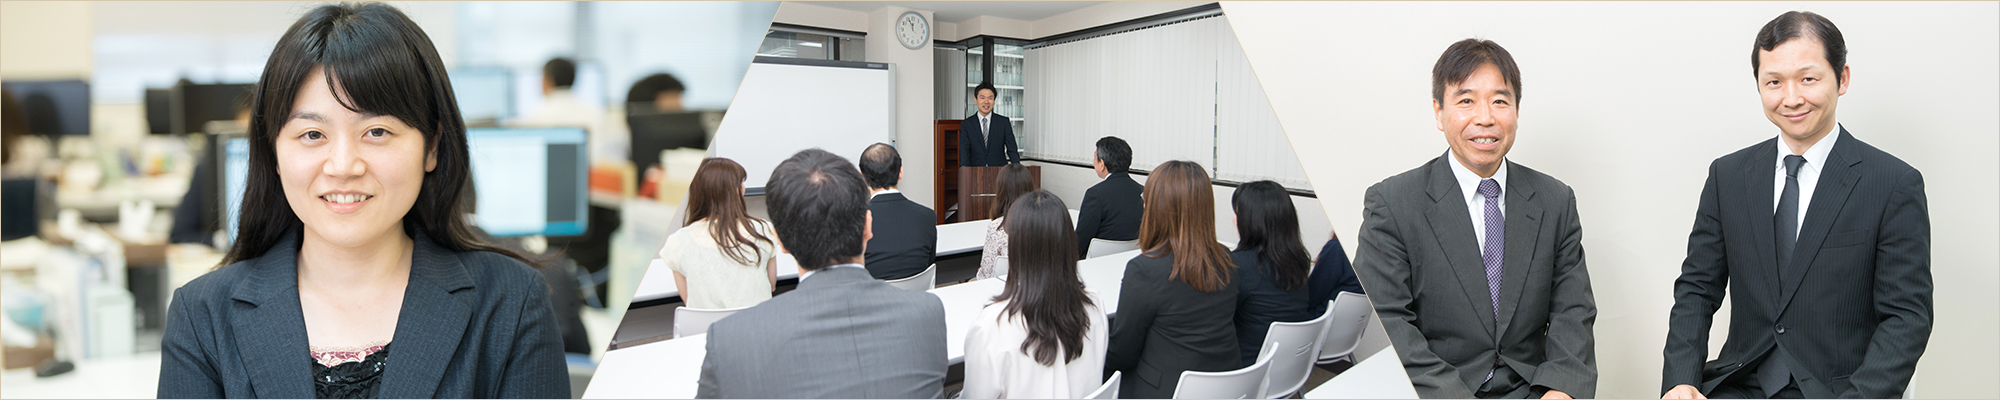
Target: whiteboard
[787, 105]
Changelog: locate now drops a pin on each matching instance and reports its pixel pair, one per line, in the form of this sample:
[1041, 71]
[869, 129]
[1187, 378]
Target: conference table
[669, 369]
[953, 239]
[1380, 376]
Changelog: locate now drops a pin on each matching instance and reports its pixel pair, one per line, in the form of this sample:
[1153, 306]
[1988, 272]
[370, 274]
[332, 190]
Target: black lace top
[356, 375]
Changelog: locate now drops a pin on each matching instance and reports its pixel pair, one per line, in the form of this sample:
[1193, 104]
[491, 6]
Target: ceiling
[960, 11]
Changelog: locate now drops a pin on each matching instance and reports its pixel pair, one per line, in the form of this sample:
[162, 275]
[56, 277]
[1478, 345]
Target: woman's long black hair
[1266, 220]
[1041, 278]
[384, 64]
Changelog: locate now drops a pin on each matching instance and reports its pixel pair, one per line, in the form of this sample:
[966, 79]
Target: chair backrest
[1101, 247]
[1294, 359]
[1000, 266]
[695, 321]
[921, 282]
[1110, 388]
[1247, 383]
[1343, 333]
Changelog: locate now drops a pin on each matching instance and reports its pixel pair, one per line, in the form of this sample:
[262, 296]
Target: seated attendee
[1332, 274]
[1111, 208]
[562, 107]
[1043, 336]
[1014, 181]
[1272, 264]
[656, 93]
[905, 232]
[723, 258]
[1177, 304]
[841, 333]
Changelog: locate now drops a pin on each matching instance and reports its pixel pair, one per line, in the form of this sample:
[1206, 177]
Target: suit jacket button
[1781, 329]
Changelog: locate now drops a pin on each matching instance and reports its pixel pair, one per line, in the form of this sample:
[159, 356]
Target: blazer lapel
[1763, 222]
[271, 336]
[1836, 182]
[1524, 223]
[1452, 226]
[434, 317]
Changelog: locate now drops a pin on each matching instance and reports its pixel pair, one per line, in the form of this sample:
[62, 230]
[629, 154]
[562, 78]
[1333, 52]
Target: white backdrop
[796, 107]
[1628, 103]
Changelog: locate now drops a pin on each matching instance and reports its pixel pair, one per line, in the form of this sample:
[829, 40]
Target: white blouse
[996, 368]
[714, 281]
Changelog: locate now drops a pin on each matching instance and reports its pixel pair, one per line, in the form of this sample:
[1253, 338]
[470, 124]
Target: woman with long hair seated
[1043, 337]
[356, 273]
[1177, 303]
[1272, 264]
[723, 258]
[1014, 181]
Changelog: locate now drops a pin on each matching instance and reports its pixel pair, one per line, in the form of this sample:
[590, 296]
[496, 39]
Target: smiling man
[1821, 241]
[1475, 263]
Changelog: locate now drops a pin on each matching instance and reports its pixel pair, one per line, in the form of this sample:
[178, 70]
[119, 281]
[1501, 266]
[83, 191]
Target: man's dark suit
[905, 241]
[1853, 310]
[1111, 211]
[1421, 263]
[981, 149]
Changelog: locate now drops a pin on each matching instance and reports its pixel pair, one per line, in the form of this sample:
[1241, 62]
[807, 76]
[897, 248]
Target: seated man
[1111, 208]
[841, 333]
[905, 233]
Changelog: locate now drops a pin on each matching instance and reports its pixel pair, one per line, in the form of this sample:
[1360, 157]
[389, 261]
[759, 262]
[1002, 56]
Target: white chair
[1294, 360]
[1000, 267]
[1247, 383]
[1343, 333]
[695, 321]
[922, 282]
[1101, 247]
[1110, 388]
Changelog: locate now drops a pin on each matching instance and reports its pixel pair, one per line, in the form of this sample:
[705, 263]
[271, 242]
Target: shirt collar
[883, 192]
[1468, 181]
[1815, 155]
[807, 274]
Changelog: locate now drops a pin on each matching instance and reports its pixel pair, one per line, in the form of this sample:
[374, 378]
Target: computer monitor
[530, 181]
[159, 111]
[653, 133]
[194, 105]
[232, 158]
[53, 107]
[484, 93]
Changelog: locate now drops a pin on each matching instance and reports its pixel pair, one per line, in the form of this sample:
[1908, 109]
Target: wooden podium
[979, 187]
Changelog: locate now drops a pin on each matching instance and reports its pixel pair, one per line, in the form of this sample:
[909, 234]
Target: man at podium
[986, 139]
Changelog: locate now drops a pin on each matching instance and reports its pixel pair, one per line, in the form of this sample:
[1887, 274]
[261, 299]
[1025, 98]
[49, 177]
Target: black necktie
[1788, 213]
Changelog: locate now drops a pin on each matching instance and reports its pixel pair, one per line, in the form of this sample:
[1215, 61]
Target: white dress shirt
[561, 108]
[1468, 183]
[1808, 174]
[995, 367]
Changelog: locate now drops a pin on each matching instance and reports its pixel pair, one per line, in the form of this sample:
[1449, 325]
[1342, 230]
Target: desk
[670, 369]
[135, 376]
[101, 204]
[1380, 376]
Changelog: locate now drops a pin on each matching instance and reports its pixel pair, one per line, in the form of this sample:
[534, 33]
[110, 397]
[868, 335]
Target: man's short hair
[1797, 24]
[1466, 56]
[648, 90]
[1116, 155]
[986, 86]
[881, 166]
[819, 207]
[560, 71]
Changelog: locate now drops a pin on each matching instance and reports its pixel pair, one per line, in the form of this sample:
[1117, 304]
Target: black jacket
[1165, 327]
[473, 325]
[1260, 300]
[1111, 211]
[1331, 275]
[987, 150]
[905, 241]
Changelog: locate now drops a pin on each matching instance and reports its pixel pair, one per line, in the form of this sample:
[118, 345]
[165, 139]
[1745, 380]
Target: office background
[1628, 103]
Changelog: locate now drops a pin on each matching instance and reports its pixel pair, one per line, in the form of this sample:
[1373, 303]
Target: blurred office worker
[1112, 208]
[1471, 225]
[905, 233]
[562, 108]
[879, 342]
[356, 273]
[1044, 335]
[986, 139]
[656, 93]
[1177, 302]
[1820, 241]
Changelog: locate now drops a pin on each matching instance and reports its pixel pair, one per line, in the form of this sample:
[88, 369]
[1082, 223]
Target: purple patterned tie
[1496, 241]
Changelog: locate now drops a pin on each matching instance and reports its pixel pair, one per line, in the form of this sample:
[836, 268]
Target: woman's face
[350, 177]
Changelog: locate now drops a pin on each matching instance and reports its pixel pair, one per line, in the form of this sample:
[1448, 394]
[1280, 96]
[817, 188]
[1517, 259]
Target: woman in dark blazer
[1177, 302]
[355, 273]
[1272, 264]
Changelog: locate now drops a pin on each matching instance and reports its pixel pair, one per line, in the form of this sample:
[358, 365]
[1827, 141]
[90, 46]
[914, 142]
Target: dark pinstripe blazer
[1854, 307]
[473, 325]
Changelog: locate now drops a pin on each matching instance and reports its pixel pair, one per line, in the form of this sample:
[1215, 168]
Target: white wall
[914, 107]
[818, 16]
[1628, 103]
[45, 39]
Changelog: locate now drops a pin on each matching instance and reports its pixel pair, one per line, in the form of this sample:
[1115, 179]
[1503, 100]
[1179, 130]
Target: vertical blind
[1181, 91]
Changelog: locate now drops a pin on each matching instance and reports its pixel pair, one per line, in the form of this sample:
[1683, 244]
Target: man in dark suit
[1111, 208]
[986, 139]
[1475, 263]
[841, 333]
[905, 242]
[1821, 241]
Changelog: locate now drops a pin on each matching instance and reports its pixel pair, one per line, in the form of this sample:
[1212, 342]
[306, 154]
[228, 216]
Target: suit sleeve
[536, 370]
[1088, 217]
[1697, 293]
[1571, 344]
[965, 128]
[708, 386]
[1383, 263]
[1902, 294]
[1007, 141]
[185, 370]
[1135, 317]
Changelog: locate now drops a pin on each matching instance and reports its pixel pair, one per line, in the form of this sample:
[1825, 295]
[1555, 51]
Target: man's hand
[1556, 394]
[1683, 392]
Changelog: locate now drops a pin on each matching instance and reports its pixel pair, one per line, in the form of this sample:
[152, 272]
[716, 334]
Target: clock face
[912, 30]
